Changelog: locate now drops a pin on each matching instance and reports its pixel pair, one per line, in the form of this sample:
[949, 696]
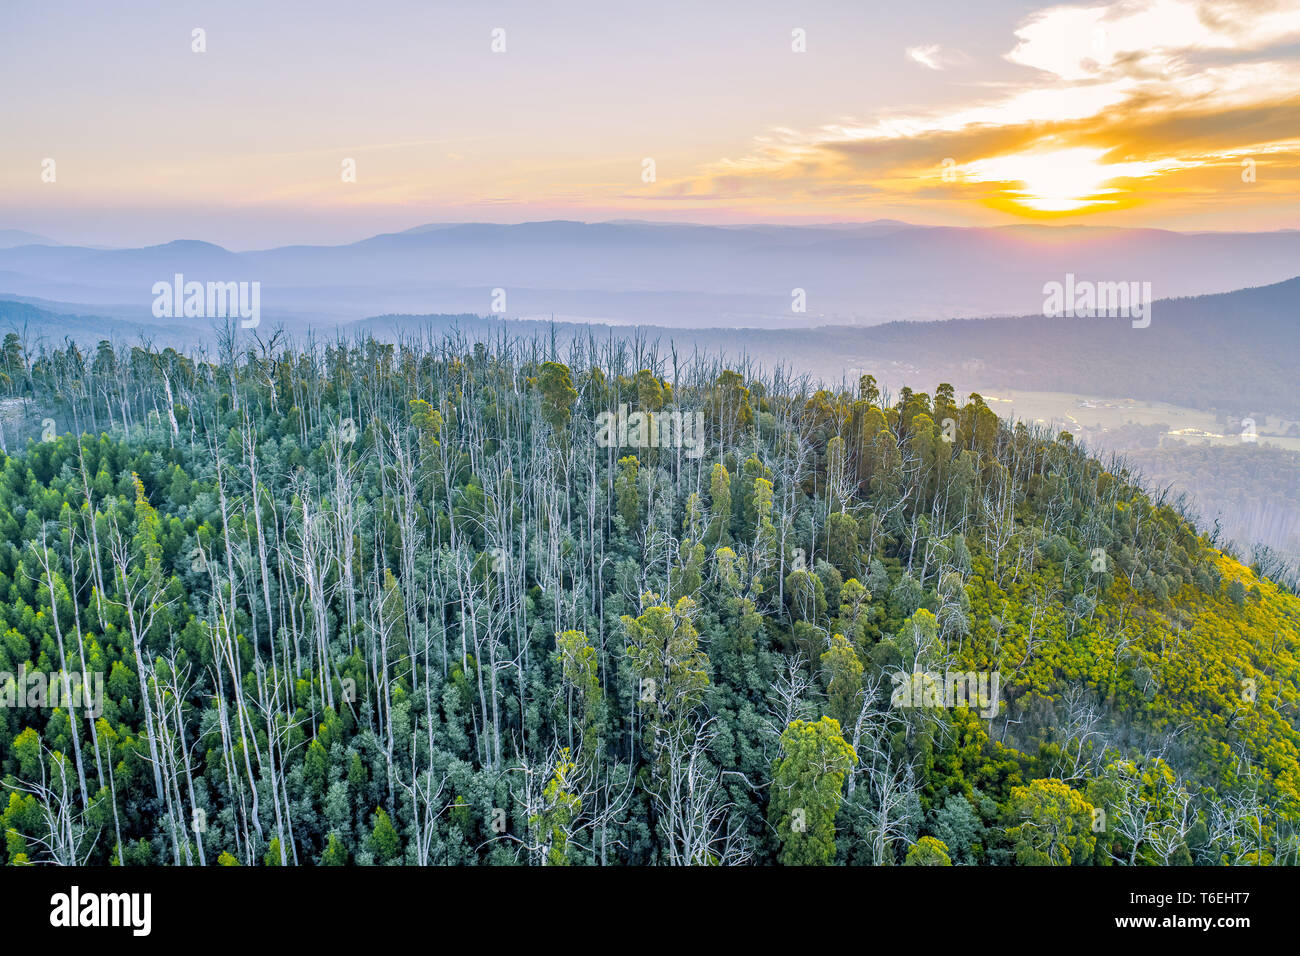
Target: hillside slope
[370, 605]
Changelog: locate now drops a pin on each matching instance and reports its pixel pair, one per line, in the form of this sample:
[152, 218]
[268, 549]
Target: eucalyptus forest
[358, 603]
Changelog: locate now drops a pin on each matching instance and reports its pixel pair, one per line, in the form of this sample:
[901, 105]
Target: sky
[115, 129]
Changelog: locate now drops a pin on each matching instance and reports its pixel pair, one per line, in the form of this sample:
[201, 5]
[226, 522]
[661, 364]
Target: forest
[1250, 491]
[361, 603]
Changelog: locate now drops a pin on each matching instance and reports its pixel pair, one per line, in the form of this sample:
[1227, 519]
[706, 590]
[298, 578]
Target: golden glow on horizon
[1059, 181]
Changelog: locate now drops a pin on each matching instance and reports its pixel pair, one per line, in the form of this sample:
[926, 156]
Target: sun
[1062, 181]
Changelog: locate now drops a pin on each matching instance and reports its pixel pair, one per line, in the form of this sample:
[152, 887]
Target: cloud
[1153, 38]
[935, 57]
[925, 55]
[1118, 102]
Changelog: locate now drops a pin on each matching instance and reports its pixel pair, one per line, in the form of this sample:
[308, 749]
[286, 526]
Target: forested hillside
[1249, 489]
[376, 604]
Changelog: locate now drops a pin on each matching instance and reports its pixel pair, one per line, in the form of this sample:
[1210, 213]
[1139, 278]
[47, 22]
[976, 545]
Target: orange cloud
[1143, 103]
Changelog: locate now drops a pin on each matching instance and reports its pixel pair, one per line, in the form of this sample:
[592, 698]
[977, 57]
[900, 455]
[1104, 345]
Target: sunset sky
[1134, 113]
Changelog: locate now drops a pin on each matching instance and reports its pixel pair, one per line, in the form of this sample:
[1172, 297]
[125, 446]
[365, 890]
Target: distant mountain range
[1231, 352]
[17, 237]
[671, 275]
[48, 324]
